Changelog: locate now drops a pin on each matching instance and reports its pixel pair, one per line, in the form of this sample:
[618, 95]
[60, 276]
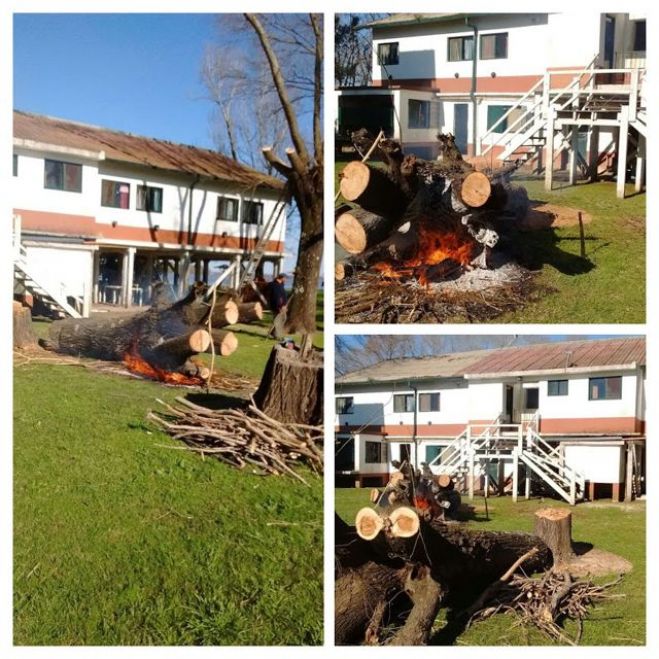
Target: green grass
[120, 539]
[613, 289]
[618, 528]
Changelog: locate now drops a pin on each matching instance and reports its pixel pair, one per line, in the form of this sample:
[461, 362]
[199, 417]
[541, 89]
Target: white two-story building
[579, 403]
[501, 83]
[99, 215]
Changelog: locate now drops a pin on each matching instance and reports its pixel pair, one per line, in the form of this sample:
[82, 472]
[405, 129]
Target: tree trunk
[225, 312]
[24, 335]
[554, 527]
[224, 342]
[291, 389]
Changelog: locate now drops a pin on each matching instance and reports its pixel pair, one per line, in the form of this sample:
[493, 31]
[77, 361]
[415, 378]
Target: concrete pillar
[205, 275]
[127, 277]
[593, 153]
[472, 474]
[639, 177]
[629, 473]
[622, 151]
[574, 159]
[236, 273]
[96, 271]
[515, 475]
[183, 273]
[197, 269]
[549, 158]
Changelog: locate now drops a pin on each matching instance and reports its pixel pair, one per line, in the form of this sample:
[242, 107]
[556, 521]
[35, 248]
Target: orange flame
[435, 246]
[421, 503]
[136, 364]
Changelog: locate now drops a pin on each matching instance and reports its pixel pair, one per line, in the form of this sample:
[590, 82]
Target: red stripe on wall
[601, 425]
[85, 225]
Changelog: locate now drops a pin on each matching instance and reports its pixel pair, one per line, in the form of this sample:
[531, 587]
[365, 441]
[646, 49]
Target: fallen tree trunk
[24, 335]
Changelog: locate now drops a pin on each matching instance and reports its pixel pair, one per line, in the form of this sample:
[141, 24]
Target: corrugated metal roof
[539, 357]
[125, 147]
[562, 355]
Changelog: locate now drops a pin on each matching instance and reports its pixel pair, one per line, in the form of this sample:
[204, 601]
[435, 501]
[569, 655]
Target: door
[509, 407]
[405, 452]
[609, 42]
[461, 125]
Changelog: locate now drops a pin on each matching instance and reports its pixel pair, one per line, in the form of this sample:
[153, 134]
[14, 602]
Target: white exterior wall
[360, 450]
[535, 42]
[419, 134]
[598, 464]
[28, 193]
[66, 269]
[486, 400]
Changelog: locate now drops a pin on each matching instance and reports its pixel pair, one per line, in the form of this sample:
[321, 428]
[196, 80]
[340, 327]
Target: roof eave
[576, 370]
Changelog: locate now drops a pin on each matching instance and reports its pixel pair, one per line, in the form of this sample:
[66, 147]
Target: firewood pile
[243, 438]
[426, 238]
[398, 566]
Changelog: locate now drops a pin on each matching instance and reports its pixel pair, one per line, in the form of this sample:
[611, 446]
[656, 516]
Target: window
[252, 212]
[115, 194]
[557, 388]
[388, 53]
[639, 36]
[418, 114]
[531, 398]
[403, 402]
[14, 170]
[375, 452]
[605, 388]
[494, 113]
[227, 209]
[494, 46]
[64, 176]
[149, 199]
[460, 49]
[429, 402]
[344, 405]
[432, 451]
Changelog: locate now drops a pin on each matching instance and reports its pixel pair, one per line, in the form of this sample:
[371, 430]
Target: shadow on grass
[216, 401]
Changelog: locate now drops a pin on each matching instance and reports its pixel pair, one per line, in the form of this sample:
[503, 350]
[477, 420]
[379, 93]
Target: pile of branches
[371, 298]
[243, 437]
[547, 603]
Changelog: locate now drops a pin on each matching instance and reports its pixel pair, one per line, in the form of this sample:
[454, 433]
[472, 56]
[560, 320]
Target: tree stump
[554, 527]
[24, 335]
[291, 389]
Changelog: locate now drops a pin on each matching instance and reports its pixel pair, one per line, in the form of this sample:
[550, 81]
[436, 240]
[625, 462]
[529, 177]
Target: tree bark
[554, 527]
[24, 335]
[291, 389]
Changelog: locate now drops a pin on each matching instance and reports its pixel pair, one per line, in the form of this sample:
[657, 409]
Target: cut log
[172, 352]
[191, 368]
[225, 342]
[404, 522]
[445, 481]
[373, 190]
[225, 312]
[474, 189]
[368, 523]
[24, 335]
[554, 527]
[357, 230]
[291, 389]
[249, 312]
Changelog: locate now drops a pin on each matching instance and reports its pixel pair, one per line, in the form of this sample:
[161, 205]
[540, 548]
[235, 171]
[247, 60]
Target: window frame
[495, 35]
[221, 199]
[606, 380]
[104, 181]
[426, 114]
[463, 40]
[526, 398]
[381, 451]
[390, 57]
[430, 395]
[146, 200]
[64, 164]
[246, 206]
[559, 387]
[350, 407]
[502, 127]
[440, 448]
[406, 397]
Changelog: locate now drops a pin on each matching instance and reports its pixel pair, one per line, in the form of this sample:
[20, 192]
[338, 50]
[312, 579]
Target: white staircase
[588, 99]
[467, 458]
[53, 296]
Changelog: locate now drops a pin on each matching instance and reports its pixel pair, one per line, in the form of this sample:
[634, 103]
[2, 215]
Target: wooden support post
[472, 474]
[527, 483]
[501, 479]
[622, 151]
[183, 273]
[197, 269]
[236, 272]
[549, 157]
[205, 274]
[95, 276]
[127, 278]
[515, 475]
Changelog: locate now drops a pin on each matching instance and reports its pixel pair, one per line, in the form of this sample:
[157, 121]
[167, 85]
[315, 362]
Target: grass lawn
[119, 539]
[613, 290]
[618, 528]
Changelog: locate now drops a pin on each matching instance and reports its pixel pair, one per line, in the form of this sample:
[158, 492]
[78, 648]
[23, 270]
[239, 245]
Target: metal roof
[128, 148]
[561, 355]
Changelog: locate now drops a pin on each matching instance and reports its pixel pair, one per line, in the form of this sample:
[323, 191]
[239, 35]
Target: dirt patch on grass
[593, 562]
[545, 216]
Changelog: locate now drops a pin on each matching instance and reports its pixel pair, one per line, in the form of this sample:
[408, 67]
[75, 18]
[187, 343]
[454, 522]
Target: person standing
[277, 294]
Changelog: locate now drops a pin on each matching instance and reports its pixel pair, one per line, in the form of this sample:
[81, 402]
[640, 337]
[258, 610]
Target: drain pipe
[415, 438]
[472, 93]
[191, 187]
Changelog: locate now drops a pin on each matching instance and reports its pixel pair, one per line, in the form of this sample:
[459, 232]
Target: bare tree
[353, 49]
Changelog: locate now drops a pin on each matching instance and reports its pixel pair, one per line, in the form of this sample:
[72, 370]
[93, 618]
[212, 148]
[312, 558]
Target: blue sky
[133, 72]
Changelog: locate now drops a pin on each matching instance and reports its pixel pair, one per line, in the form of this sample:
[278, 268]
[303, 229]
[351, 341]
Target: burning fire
[434, 247]
[421, 503]
[136, 364]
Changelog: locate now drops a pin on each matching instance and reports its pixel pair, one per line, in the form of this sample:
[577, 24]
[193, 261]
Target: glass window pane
[468, 49]
[432, 451]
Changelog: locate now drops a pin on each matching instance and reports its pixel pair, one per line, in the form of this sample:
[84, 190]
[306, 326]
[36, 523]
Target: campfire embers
[135, 363]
